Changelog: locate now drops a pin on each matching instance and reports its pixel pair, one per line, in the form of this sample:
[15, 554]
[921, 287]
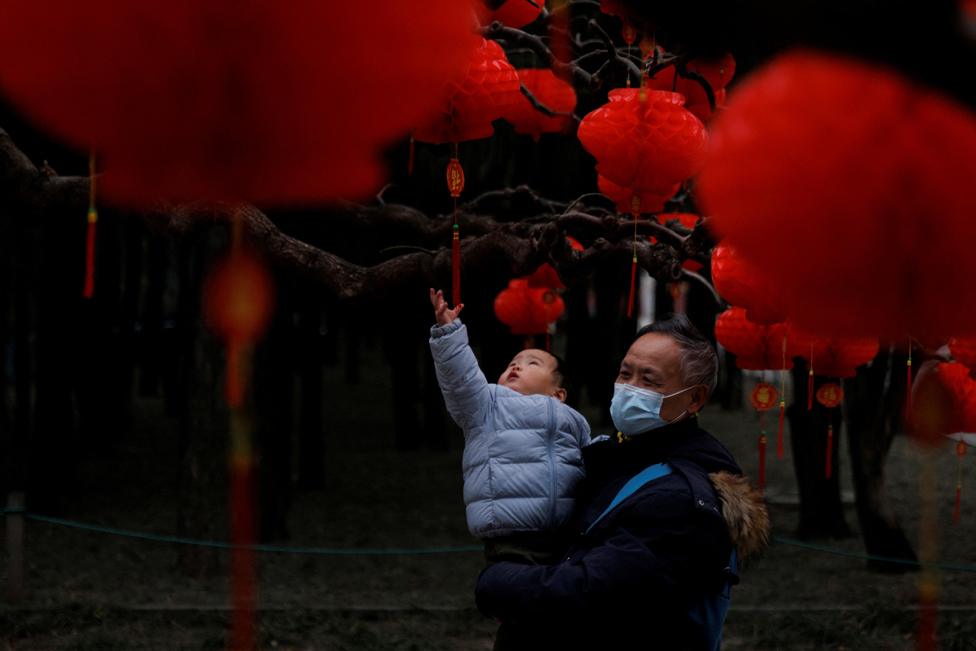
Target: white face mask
[635, 410]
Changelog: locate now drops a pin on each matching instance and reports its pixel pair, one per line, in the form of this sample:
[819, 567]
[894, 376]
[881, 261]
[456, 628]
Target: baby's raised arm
[441, 313]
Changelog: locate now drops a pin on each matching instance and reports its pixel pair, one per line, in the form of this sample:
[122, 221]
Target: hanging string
[455, 185]
[830, 447]
[810, 382]
[762, 452]
[908, 381]
[957, 509]
[89, 289]
[635, 211]
[782, 406]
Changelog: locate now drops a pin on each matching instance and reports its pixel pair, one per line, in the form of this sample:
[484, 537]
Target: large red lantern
[271, 102]
[644, 141]
[486, 90]
[527, 310]
[717, 72]
[513, 13]
[740, 283]
[831, 174]
[553, 93]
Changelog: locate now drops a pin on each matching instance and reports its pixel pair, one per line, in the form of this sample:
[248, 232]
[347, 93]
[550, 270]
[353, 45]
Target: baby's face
[532, 371]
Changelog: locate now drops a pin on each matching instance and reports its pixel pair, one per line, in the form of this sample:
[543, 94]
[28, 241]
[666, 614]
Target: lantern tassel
[830, 450]
[234, 390]
[957, 509]
[908, 382]
[633, 282]
[456, 266]
[810, 389]
[89, 289]
[762, 463]
[410, 157]
[779, 429]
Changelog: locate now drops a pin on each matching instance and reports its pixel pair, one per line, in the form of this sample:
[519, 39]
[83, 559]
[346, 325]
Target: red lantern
[512, 13]
[717, 72]
[271, 102]
[644, 141]
[757, 347]
[487, 90]
[837, 146]
[741, 284]
[687, 220]
[553, 93]
[527, 311]
[763, 398]
[624, 197]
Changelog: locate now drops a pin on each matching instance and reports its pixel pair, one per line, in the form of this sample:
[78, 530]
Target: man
[652, 570]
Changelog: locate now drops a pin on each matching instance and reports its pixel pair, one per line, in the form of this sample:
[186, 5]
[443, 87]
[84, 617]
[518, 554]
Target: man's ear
[699, 396]
[559, 394]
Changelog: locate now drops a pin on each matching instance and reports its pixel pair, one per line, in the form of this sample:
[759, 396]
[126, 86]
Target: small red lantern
[740, 283]
[841, 146]
[526, 310]
[271, 102]
[763, 398]
[487, 90]
[757, 347]
[553, 93]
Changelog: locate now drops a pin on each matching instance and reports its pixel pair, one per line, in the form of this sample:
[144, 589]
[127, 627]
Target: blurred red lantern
[717, 72]
[645, 142]
[487, 90]
[527, 310]
[545, 276]
[833, 356]
[512, 13]
[943, 403]
[553, 93]
[740, 283]
[963, 350]
[757, 347]
[874, 175]
[264, 101]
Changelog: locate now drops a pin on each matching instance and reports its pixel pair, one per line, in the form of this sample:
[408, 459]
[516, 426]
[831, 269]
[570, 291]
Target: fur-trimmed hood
[745, 513]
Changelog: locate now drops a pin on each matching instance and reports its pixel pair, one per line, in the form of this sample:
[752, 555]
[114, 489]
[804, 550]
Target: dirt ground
[89, 591]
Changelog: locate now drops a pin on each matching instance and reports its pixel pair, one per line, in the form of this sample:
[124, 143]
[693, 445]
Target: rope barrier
[420, 551]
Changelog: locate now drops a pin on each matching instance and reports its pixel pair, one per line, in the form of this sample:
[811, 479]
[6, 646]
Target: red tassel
[927, 617]
[908, 385]
[456, 267]
[89, 289]
[410, 158]
[779, 429]
[957, 511]
[762, 463]
[633, 282]
[810, 390]
[830, 450]
[233, 387]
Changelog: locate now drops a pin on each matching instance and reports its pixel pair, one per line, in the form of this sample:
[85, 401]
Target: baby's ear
[560, 394]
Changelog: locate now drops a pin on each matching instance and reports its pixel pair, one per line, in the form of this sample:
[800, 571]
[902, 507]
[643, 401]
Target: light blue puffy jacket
[522, 453]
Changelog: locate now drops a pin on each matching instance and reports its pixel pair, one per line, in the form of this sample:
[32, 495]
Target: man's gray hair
[699, 362]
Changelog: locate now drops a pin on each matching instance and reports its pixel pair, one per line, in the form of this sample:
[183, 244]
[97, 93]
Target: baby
[522, 443]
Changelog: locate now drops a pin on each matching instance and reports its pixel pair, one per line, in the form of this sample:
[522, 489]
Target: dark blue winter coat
[631, 582]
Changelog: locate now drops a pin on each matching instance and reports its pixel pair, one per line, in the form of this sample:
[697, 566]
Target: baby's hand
[441, 313]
